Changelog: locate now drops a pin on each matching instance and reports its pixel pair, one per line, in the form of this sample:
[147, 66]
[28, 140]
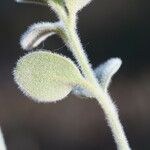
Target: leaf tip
[106, 71]
[114, 64]
[37, 33]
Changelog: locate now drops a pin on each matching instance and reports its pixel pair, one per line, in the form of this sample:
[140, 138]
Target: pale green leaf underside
[45, 76]
[104, 73]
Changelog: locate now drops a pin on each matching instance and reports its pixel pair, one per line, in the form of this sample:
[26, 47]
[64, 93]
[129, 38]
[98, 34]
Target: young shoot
[48, 77]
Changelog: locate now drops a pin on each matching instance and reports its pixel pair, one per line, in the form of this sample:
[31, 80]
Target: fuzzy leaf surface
[46, 76]
[37, 33]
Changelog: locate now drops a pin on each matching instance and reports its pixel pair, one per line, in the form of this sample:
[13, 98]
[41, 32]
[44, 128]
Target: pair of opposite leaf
[47, 76]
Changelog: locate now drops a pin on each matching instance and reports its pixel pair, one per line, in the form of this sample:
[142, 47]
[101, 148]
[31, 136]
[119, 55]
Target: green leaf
[46, 76]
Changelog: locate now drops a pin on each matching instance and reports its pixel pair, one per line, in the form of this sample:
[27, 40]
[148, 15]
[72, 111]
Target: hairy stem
[110, 111]
[74, 43]
[112, 117]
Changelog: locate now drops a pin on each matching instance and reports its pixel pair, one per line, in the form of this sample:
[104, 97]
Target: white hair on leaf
[37, 33]
[46, 76]
[105, 71]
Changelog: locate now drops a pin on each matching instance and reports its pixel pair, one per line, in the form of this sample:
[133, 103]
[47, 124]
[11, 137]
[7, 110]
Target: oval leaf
[45, 76]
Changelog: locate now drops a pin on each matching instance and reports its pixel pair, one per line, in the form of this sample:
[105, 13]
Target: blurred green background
[108, 28]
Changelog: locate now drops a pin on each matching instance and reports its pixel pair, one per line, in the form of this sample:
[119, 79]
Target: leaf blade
[46, 76]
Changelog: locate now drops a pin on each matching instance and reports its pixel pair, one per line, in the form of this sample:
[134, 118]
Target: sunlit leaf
[46, 76]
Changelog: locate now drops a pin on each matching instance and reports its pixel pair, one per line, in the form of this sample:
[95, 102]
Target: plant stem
[112, 117]
[74, 43]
